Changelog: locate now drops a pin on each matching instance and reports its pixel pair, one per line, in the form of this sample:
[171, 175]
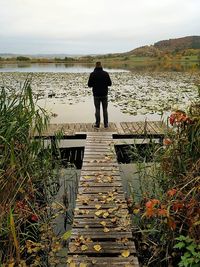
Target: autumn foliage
[163, 219]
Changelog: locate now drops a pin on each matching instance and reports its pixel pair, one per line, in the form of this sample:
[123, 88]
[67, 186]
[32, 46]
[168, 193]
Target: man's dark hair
[98, 64]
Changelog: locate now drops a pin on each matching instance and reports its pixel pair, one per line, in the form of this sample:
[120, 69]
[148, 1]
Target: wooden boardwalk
[101, 234]
[144, 127]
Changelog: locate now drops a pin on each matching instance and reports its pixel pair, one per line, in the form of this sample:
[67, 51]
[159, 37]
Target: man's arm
[109, 82]
[90, 81]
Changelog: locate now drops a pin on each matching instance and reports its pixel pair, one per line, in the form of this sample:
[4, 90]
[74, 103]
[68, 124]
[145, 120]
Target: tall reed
[25, 170]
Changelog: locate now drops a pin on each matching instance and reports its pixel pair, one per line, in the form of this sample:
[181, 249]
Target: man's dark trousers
[97, 102]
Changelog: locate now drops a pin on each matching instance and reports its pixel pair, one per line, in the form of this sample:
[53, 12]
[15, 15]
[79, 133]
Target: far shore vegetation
[186, 56]
[178, 50]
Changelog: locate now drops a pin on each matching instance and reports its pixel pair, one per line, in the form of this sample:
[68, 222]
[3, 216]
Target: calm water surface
[52, 67]
[84, 112]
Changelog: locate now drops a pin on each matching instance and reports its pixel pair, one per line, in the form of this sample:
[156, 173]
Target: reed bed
[27, 180]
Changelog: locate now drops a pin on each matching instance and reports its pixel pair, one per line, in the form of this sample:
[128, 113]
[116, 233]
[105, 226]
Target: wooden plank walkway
[101, 234]
[148, 127]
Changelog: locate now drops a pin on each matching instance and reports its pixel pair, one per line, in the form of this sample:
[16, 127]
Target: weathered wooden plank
[71, 128]
[134, 128]
[100, 184]
[94, 153]
[151, 128]
[97, 197]
[100, 164]
[103, 189]
[99, 169]
[96, 222]
[100, 180]
[92, 205]
[110, 261]
[140, 125]
[129, 126]
[95, 149]
[124, 127]
[119, 128]
[85, 213]
[97, 181]
[105, 174]
[102, 137]
[107, 247]
[98, 233]
[157, 127]
[96, 156]
[102, 170]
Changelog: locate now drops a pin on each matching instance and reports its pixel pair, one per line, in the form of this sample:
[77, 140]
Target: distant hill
[171, 45]
[189, 45]
[189, 42]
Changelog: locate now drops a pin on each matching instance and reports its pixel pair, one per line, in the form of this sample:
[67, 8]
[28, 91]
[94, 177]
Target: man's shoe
[106, 126]
[95, 125]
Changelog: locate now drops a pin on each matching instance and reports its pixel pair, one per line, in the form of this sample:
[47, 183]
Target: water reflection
[88, 67]
[55, 67]
[84, 112]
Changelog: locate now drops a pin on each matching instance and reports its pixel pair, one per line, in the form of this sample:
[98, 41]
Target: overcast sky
[93, 26]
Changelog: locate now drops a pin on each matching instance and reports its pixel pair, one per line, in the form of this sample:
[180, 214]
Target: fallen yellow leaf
[106, 230]
[97, 206]
[103, 223]
[84, 247]
[97, 247]
[69, 260]
[81, 238]
[105, 214]
[136, 211]
[125, 253]
[98, 213]
[83, 265]
[86, 177]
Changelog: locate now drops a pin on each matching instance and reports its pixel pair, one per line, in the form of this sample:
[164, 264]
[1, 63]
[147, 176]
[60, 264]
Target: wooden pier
[101, 234]
[138, 128]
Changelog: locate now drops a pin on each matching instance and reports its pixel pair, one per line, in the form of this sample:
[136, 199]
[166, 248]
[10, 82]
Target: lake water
[84, 111]
[52, 67]
[134, 96]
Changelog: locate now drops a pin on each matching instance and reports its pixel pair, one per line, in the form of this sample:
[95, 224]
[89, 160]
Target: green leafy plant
[191, 251]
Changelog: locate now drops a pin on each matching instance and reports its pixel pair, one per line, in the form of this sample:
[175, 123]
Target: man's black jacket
[99, 80]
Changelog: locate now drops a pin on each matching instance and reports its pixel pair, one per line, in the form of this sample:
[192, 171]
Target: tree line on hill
[179, 47]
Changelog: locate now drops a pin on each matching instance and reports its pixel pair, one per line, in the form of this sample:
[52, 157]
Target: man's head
[98, 64]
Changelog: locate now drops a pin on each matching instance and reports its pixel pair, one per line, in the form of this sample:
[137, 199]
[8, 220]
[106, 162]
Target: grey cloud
[90, 26]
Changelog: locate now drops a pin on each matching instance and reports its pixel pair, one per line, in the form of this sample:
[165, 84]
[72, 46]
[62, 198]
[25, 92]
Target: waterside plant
[168, 220]
[27, 180]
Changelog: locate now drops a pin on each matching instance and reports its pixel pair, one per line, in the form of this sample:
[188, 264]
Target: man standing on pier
[99, 80]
